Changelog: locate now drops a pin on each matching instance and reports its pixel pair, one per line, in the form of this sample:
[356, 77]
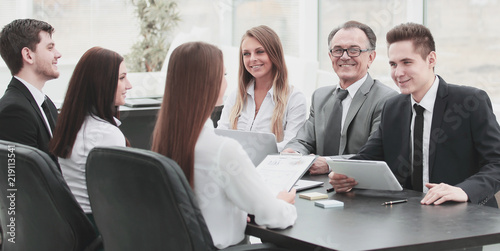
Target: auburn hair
[91, 91]
[194, 77]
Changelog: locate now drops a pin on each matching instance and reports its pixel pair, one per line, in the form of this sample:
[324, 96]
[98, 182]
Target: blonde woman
[264, 101]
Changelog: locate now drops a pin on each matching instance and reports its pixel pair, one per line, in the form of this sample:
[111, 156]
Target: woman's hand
[287, 196]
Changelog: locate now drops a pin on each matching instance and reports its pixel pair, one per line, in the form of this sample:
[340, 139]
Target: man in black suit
[27, 116]
[451, 149]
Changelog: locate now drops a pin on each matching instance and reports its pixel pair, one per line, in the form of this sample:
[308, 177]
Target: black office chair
[215, 116]
[46, 214]
[141, 200]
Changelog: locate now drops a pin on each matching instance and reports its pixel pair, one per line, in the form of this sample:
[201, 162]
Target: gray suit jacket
[362, 119]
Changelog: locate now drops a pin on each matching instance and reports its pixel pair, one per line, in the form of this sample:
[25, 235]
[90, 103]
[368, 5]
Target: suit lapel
[406, 126]
[356, 103]
[404, 159]
[15, 83]
[437, 118]
[328, 108]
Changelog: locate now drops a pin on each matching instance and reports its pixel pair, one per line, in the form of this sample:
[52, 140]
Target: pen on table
[329, 190]
[394, 202]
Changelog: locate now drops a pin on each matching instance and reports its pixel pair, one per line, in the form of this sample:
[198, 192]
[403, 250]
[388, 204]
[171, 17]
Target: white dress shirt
[427, 103]
[39, 99]
[295, 115]
[346, 103]
[228, 188]
[94, 132]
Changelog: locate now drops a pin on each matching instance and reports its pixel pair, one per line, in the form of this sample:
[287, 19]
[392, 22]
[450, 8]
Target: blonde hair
[281, 90]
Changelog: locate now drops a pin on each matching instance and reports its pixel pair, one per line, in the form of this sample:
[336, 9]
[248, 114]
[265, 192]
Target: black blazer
[464, 146]
[21, 119]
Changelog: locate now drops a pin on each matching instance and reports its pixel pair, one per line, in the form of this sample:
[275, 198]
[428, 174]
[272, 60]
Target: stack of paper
[329, 203]
[313, 196]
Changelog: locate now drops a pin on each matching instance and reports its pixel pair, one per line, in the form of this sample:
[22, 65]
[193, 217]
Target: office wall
[466, 33]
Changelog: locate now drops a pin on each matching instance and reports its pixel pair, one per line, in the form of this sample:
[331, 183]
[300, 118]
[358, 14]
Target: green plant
[157, 20]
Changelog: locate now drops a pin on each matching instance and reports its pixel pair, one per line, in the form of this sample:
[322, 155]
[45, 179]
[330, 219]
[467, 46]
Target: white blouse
[228, 188]
[94, 132]
[295, 115]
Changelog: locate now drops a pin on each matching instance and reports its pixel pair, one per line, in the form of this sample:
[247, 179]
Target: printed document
[281, 172]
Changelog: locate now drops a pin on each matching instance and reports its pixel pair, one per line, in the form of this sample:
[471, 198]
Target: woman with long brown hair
[89, 116]
[264, 101]
[223, 177]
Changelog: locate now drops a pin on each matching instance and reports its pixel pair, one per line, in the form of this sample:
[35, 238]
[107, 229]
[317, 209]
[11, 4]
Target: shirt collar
[37, 94]
[251, 90]
[352, 89]
[209, 123]
[429, 98]
[117, 121]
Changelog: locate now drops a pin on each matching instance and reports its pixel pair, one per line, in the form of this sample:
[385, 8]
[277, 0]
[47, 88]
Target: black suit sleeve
[18, 125]
[485, 132]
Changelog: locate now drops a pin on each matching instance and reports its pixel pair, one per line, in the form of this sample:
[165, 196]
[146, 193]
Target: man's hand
[439, 193]
[341, 183]
[319, 166]
[288, 150]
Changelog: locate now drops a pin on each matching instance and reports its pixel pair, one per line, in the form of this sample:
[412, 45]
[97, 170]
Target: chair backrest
[37, 209]
[142, 201]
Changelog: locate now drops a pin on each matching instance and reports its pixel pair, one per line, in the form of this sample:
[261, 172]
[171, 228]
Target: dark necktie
[48, 114]
[335, 124]
[418, 156]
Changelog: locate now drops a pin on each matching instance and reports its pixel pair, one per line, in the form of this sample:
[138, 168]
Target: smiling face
[45, 58]
[351, 69]
[256, 60]
[411, 73]
[123, 85]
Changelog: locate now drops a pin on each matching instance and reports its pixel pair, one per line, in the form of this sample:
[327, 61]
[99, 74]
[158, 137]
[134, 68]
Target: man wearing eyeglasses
[438, 138]
[343, 116]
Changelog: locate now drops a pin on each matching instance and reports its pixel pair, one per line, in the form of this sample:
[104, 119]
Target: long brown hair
[194, 76]
[281, 90]
[91, 91]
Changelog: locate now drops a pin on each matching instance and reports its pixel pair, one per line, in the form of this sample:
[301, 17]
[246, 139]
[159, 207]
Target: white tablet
[369, 174]
[302, 185]
[257, 144]
[142, 102]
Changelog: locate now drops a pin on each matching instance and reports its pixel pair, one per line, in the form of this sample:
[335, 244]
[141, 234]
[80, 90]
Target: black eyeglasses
[351, 52]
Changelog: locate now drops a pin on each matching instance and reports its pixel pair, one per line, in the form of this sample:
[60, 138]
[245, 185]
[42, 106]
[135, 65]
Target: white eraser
[329, 203]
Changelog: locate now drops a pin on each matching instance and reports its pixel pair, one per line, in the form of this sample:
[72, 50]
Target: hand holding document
[281, 172]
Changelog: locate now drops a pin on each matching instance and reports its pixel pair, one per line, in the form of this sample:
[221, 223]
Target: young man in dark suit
[27, 115]
[438, 138]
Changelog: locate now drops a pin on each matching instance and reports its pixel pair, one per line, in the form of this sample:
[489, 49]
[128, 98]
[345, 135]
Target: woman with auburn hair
[264, 101]
[89, 115]
[221, 174]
